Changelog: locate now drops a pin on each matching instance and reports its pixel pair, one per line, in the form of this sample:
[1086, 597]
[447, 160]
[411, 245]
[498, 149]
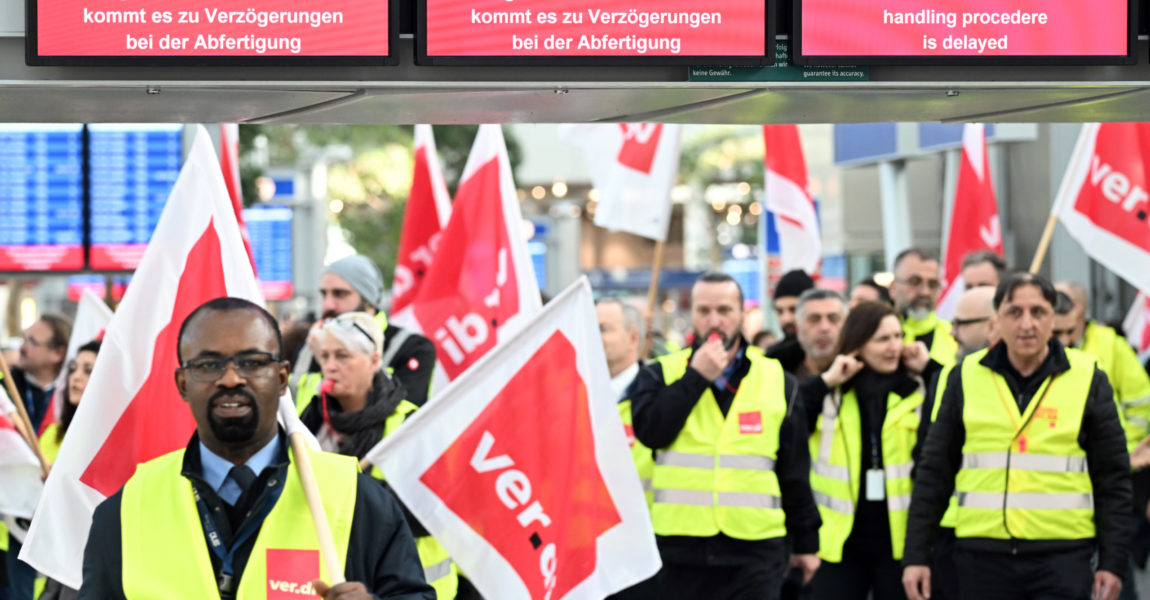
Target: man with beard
[732, 467]
[226, 517]
[785, 302]
[915, 286]
[354, 284]
[819, 318]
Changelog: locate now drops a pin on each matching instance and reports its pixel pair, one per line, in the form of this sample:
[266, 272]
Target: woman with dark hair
[864, 417]
[79, 370]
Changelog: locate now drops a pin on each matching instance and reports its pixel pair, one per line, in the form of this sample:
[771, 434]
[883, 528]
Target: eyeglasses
[248, 365]
[916, 281]
[965, 322]
[352, 325]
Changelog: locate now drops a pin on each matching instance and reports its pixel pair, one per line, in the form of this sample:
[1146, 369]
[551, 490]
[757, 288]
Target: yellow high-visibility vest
[1130, 382]
[837, 466]
[1024, 475]
[166, 557]
[950, 517]
[640, 454]
[719, 473]
[943, 346]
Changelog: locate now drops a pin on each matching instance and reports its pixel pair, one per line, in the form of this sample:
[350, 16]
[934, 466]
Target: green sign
[783, 70]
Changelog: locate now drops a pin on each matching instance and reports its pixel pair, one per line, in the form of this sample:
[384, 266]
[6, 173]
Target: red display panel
[292, 32]
[595, 32]
[964, 31]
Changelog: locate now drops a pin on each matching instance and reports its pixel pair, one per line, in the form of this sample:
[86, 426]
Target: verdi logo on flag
[640, 143]
[1103, 199]
[520, 468]
[427, 213]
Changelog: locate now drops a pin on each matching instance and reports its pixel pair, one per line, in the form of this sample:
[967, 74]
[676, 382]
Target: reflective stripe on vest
[1127, 377]
[1024, 475]
[837, 466]
[640, 454]
[166, 556]
[718, 476]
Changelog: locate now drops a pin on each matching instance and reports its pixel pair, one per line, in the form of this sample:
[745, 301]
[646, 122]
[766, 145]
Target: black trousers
[1050, 576]
[866, 571]
[752, 581]
[943, 573]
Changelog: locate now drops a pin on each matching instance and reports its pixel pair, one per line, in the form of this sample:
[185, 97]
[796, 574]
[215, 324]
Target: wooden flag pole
[315, 507]
[652, 295]
[1043, 244]
[23, 423]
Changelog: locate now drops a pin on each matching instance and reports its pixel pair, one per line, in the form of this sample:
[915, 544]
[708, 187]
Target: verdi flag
[428, 210]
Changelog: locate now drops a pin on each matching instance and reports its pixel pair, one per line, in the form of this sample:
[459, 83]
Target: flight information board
[132, 170]
[41, 197]
[1054, 32]
[210, 32]
[269, 228]
[598, 32]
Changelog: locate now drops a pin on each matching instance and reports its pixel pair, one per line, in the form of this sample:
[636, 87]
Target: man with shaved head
[1116, 358]
[973, 322]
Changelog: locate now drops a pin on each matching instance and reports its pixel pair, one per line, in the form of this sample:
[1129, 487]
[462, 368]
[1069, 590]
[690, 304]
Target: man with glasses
[41, 359]
[226, 517]
[973, 323]
[914, 290]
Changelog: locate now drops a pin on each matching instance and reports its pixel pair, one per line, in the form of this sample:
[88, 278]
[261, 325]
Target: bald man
[973, 323]
[1117, 359]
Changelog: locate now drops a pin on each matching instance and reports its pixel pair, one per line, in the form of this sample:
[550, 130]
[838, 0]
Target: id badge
[875, 486]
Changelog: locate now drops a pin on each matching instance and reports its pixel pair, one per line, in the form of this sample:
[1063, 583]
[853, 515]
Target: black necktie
[243, 476]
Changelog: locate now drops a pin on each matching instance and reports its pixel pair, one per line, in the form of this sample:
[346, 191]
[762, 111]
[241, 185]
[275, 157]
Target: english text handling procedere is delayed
[638, 44]
[955, 20]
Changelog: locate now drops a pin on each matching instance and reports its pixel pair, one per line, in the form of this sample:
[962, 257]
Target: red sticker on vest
[629, 431]
[751, 422]
[290, 573]
[413, 364]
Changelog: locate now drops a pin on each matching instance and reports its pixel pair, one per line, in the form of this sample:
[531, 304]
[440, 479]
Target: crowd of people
[873, 451]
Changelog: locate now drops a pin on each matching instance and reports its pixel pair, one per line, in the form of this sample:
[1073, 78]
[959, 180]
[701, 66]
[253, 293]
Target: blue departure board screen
[269, 228]
[41, 197]
[132, 169]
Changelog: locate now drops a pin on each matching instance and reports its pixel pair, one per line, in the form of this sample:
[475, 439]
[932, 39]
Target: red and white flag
[1137, 326]
[428, 210]
[92, 317]
[481, 287]
[633, 167]
[230, 165]
[19, 468]
[131, 412]
[1103, 200]
[974, 221]
[789, 198]
[533, 499]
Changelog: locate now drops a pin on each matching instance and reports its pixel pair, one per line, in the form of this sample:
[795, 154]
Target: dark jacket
[35, 398]
[413, 364]
[789, 353]
[1101, 437]
[660, 411]
[381, 552]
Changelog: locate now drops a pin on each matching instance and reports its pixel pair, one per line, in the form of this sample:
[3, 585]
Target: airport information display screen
[132, 171]
[269, 228]
[858, 32]
[209, 32]
[726, 32]
[41, 197]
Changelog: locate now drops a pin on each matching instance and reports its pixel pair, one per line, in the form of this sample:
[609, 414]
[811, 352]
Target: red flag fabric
[230, 165]
[789, 198]
[633, 167]
[481, 285]
[428, 210]
[533, 499]
[1103, 200]
[131, 411]
[974, 221]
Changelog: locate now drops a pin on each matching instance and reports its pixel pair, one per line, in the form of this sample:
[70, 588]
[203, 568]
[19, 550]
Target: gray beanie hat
[362, 275]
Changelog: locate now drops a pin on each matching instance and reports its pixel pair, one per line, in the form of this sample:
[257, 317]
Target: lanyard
[227, 580]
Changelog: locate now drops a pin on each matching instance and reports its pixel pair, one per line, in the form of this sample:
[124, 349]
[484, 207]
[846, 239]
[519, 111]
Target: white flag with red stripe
[230, 165]
[19, 469]
[521, 468]
[633, 167]
[1137, 326]
[428, 210]
[481, 286]
[131, 411]
[92, 317]
[1103, 200]
[789, 198]
[974, 221]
